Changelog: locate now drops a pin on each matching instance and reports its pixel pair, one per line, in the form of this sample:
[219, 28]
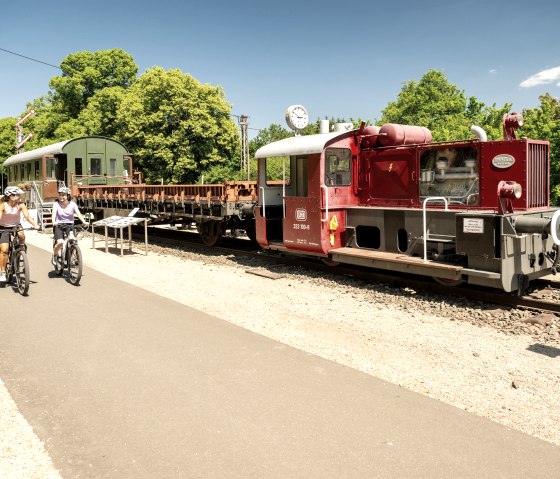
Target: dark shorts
[5, 233]
[61, 231]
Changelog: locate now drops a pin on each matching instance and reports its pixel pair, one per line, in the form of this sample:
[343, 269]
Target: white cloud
[542, 78]
[493, 71]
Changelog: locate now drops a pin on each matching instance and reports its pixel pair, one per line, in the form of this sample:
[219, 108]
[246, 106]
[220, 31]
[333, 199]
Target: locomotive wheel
[449, 282]
[211, 232]
[330, 262]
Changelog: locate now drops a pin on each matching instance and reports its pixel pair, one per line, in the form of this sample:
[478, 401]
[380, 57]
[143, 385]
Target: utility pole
[20, 138]
[245, 163]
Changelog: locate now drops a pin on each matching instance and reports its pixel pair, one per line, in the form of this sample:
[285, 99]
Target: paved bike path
[121, 383]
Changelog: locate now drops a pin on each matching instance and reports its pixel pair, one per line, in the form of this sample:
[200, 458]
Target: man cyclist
[63, 220]
[11, 209]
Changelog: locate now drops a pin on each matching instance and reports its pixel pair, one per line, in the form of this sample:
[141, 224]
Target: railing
[35, 201]
[426, 231]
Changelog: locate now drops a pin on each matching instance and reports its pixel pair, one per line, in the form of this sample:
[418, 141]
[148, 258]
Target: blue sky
[340, 59]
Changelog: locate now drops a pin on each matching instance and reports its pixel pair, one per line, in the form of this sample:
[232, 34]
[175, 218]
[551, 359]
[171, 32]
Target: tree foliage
[441, 107]
[86, 73]
[176, 126]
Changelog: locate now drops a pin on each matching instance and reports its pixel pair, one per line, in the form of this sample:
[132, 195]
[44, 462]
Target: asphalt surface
[122, 383]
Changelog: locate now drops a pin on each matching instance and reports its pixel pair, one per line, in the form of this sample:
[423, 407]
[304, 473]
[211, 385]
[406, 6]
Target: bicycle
[18, 264]
[71, 257]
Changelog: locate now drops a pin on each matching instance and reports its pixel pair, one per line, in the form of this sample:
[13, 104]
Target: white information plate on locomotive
[473, 225]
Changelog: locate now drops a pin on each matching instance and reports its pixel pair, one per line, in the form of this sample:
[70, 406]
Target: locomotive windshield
[452, 173]
[337, 166]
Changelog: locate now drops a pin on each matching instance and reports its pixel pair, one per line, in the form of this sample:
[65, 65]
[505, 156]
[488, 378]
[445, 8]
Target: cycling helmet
[64, 190]
[12, 190]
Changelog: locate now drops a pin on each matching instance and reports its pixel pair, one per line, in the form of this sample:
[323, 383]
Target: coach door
[95, 169]
[302, 205]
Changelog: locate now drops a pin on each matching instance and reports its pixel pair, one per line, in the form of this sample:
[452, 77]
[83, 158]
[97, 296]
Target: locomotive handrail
[326, 204]
[263, 202]
[426, 232]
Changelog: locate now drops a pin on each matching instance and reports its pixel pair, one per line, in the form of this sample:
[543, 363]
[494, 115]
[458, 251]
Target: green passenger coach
[88, 160]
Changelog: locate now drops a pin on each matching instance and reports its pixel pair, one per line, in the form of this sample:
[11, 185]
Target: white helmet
[12, 190]
[64, 190]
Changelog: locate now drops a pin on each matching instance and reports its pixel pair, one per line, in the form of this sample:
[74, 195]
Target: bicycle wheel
[59, 266]
[74, 264]
[21, 272]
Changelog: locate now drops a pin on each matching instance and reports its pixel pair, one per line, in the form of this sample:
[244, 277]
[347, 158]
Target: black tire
[21, 272]
[74, 264]
[58, 267]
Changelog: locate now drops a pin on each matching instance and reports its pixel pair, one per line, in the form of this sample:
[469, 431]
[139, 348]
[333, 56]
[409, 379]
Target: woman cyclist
[11, 209]
[63, 220]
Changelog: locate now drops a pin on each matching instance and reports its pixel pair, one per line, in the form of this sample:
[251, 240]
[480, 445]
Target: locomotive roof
[54, 149]
[298, 145]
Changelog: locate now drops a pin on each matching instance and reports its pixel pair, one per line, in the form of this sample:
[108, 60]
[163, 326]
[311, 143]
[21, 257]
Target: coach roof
[50, 150]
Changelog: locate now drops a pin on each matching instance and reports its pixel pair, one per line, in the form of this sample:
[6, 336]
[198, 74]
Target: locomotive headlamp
[509, 189]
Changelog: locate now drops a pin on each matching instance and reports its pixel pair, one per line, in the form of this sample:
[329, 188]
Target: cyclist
[63, 220]
[11, 209]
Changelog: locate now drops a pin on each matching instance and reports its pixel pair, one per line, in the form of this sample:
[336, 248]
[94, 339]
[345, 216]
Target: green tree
[176, 126]
[85, 98]
[441, 107]
[543, 123]
[86, 73]
[7, 138]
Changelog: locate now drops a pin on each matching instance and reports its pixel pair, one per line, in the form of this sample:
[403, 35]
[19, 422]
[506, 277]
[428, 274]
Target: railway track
[544, 298]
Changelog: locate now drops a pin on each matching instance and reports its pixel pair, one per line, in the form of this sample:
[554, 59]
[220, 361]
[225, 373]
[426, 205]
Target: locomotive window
[452, 173]
[337, 166]
[112, 167]
[78, 166]
[276, 168]
[95, 166]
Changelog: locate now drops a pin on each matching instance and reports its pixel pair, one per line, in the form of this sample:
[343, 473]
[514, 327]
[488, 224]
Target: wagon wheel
[448, 282]
[211, 232]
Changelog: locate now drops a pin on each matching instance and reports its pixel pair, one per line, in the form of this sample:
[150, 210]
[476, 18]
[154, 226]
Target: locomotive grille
[537, 176]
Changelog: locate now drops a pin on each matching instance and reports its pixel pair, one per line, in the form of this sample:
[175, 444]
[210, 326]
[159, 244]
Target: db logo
[301, 214]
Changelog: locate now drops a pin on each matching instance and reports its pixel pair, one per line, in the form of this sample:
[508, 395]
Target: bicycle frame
[71, 258]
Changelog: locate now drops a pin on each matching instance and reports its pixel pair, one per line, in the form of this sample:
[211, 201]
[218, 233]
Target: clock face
[296, 117]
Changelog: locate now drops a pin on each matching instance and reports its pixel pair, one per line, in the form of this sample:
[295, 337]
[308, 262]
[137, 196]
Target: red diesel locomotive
[472, 211]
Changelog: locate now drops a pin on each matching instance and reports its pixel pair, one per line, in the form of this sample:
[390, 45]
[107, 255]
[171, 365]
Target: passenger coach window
[275, 168]
[96, 166]
[78, 167]
[50, 168]
[113, 167]
[337, 166]
[37, 175]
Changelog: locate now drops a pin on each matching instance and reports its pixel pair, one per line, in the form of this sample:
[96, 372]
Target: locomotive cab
[305, 185]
